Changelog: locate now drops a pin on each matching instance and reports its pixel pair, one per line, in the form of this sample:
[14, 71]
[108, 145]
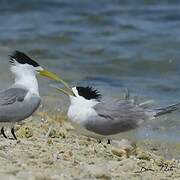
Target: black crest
[88, 93]
[22, 59]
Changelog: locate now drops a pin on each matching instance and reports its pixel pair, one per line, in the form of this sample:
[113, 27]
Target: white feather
[25, 75]
[81, 109]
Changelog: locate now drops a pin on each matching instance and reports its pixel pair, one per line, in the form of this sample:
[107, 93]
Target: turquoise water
[111, 45]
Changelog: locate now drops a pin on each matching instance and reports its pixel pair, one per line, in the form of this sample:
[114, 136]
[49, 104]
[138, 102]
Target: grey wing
[12, 95]
[14, 107]
[116, 116]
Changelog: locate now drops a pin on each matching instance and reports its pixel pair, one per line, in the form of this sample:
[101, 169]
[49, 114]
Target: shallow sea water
[112, 45]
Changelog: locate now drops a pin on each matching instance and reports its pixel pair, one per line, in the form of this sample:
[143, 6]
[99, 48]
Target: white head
[25, 70]
[22, 65]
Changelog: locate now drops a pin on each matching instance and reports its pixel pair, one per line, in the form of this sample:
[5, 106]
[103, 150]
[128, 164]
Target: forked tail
[166, 110]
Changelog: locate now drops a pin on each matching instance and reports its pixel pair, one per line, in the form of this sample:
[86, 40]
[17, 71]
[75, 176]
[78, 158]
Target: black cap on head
[22, 59]
[88, 93]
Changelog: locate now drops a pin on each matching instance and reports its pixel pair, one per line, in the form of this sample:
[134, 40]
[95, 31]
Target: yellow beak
[68, 93]
[49, 74]
[53, 76]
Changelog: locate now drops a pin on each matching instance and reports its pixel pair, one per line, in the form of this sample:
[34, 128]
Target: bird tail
[167, 110]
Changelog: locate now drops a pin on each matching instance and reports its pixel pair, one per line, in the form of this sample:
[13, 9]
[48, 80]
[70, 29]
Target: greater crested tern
[21, 99]
[97, 118]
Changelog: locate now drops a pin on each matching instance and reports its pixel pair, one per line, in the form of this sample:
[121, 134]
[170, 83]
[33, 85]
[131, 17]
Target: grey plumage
[96, 117]
[11, 95]
[166, 110]
[119, 116]
[20, 100]
[13, 105]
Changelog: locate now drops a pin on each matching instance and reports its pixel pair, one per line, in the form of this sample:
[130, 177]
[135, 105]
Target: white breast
[81, 110]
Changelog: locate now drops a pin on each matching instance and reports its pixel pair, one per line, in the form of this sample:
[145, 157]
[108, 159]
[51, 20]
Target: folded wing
[116, 116]
[13, 105]
[12, 95]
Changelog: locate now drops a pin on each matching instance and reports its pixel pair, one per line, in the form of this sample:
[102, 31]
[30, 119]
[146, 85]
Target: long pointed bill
[64, 91]
[53, 76]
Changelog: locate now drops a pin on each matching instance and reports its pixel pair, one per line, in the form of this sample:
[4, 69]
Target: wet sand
[49, 148]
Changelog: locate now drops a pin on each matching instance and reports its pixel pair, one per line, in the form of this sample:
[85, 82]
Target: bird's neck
[81, 109]
[28, 81]
[82, 102]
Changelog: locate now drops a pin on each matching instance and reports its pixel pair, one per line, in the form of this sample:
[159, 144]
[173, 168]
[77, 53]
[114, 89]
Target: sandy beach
[48, 148]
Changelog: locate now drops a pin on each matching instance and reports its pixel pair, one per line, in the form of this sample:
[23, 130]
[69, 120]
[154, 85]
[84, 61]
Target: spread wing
[12, 95]
[116, 116]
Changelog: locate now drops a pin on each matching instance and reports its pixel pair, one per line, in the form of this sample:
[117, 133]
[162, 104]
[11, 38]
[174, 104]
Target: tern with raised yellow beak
[98, 118]
[21, 99]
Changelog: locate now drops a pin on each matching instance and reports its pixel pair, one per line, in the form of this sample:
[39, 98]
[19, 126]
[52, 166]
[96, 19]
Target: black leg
[3, 133]
[12, 131]
[109, 141]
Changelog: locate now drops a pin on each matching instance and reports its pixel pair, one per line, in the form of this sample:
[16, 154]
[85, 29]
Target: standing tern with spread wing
[21, 99]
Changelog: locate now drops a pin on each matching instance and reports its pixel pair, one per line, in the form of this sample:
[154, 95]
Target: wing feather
[116, 116]
[13, 105]
[12, 95]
